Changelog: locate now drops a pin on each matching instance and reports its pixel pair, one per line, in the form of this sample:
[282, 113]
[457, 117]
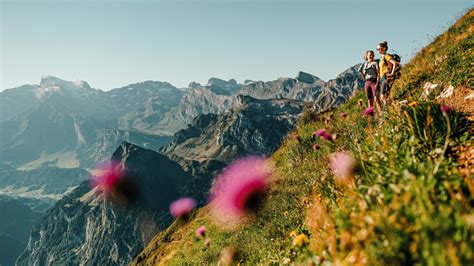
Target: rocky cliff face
[85, 228]
[214, 98]
[211, 142]
[299, 88]
[253, 127]
[336, 91]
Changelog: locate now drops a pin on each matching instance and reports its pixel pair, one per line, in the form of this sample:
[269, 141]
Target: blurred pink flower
[342, 165]
[200, 231]
[369, 111]
[327, 136]
[343, 114]
[182, 206]
[240, 187]
[359, 103]
[320, 132]
[315, 147]
[108, 175]
[445, 108]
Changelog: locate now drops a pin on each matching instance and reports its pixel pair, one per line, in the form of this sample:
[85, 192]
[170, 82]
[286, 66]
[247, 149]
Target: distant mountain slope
[84, 228]
[15, 225]
[253, 127]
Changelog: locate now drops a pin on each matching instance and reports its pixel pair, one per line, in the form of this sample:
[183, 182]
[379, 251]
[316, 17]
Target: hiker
[370, 71]
[388, 66]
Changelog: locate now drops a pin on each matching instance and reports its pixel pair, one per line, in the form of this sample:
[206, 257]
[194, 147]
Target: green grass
[446, 61]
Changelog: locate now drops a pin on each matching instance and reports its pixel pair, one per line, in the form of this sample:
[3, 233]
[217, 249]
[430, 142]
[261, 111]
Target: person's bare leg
[371, 103]
[379, 105]
[384, 100]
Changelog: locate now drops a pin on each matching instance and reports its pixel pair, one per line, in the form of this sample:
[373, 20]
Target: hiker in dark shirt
[370, 71]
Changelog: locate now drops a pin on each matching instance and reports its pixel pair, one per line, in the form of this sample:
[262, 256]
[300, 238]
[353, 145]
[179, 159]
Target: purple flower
[342, 165]
[445, 108]
[182, 206]
[369, 111]
[327, 137]
[320, 132]
[200, 231]
[240, 187]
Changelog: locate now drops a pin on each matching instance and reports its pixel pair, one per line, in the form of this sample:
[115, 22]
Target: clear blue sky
[111, 44]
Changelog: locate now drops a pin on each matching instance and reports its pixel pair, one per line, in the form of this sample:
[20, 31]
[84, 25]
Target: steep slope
[408, 201]
[84, 228]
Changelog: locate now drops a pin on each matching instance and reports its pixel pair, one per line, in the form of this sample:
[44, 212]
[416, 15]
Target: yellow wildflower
[293, 233]
[300, 240]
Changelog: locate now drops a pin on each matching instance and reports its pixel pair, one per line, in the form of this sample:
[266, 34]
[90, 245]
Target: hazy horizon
[113, 44]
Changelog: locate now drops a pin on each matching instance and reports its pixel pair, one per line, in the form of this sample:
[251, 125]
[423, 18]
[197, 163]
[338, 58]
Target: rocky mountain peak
[194, 85]
[47, 81]
[307, 78]
[221, 82]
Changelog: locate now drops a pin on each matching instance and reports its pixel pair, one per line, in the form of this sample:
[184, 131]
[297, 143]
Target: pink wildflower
[343, 114]
[240, 187]
[445, 108]
[315, 147]
[108, 176]
[182, 207]
[369, 111]
[327, 136]
[320, 132]
[342, 165]
[200, 231]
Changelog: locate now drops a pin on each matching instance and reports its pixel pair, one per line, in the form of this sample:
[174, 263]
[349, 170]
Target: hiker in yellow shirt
[387, 66]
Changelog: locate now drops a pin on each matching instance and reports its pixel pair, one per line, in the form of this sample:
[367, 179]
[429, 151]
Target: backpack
[398, 59]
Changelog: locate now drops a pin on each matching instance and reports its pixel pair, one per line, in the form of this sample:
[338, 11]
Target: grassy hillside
[448, 60]
[409, 201]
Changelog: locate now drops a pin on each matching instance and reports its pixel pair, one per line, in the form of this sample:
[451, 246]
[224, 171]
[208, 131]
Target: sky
[111, 44]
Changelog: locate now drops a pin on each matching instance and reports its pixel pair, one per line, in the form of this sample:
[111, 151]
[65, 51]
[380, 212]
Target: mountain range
[71, 126]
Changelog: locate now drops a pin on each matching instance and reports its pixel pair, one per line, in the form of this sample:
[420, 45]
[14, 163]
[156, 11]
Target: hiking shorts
[370, 89]
[385, 85]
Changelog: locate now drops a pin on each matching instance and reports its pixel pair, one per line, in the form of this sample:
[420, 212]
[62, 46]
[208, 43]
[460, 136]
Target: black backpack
[398, 59]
